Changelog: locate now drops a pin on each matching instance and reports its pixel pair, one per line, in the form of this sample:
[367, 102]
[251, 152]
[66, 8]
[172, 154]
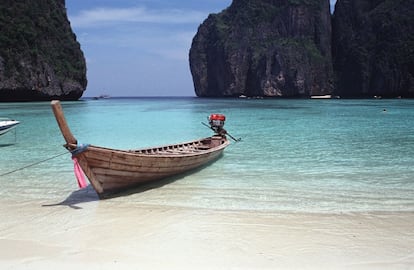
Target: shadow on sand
[88, 194]
[84, 195]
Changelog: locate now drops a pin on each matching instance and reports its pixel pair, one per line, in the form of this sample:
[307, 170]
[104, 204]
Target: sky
[139, 47]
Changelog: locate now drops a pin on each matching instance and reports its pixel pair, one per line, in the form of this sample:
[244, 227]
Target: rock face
[373, 48]
[271, 48]
[40, 58]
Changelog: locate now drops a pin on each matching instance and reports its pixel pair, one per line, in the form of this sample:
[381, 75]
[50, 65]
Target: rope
[33, 164]
[79, 148]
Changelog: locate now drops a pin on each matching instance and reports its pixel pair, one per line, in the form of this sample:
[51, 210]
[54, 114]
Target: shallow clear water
[295, 155]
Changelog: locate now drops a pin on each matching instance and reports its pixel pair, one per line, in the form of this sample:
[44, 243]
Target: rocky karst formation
[373, 48]
[273, 48]
[282, 48]
[40, 58]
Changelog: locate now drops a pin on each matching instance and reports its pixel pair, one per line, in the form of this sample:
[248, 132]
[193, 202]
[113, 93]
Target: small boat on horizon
[102, 97]
[6, 125]
[112, 171]
[321, 97]
[324, 97]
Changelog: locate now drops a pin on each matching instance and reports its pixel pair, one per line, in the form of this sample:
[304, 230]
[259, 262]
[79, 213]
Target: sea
[294, 155]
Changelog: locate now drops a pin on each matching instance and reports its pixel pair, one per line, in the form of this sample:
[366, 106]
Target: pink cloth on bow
[79, 173]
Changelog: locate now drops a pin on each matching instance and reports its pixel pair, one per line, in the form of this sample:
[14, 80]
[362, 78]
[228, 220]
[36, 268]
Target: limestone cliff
[40, 58]
[272, 48]
[373, 48]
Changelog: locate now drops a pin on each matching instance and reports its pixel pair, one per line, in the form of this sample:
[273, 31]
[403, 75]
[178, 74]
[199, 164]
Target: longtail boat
[112, 171]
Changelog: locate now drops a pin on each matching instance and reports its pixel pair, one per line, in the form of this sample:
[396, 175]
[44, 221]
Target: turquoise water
[295, 155]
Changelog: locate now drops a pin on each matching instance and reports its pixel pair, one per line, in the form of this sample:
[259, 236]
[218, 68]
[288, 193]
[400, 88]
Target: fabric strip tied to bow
[80, 177]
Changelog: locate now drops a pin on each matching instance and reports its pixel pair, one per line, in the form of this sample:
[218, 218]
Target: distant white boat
[7, 125]
[321, 97]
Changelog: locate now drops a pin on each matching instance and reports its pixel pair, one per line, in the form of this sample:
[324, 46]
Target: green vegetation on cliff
[264, 48]
[36, 30]
[373, 47]
[284, 48]
[36, 42]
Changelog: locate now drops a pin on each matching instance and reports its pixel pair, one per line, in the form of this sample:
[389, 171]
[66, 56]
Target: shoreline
[104, 234]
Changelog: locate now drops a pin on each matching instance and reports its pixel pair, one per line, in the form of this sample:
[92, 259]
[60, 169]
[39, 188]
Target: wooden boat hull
[111, 171]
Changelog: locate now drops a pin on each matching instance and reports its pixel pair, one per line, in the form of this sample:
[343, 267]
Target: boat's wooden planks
[153, 165]
[109, 158]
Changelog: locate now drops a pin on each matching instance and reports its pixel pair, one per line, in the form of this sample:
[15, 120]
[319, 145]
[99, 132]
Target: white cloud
[105, 16]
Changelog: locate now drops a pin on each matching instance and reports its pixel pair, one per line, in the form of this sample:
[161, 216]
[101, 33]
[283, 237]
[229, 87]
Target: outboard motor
[216, 122]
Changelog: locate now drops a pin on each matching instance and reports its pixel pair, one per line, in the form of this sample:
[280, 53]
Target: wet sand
[115, 234]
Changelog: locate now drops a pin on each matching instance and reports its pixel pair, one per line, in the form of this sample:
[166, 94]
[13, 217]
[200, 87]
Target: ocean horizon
[295, 155]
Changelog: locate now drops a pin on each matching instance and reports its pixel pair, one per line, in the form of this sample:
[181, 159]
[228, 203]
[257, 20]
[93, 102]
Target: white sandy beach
[119, 235]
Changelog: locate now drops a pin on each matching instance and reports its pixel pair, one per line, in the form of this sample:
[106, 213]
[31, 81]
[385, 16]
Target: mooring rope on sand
[33, 164]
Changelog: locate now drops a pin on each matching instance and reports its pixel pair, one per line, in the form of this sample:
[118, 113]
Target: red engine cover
[220, 117]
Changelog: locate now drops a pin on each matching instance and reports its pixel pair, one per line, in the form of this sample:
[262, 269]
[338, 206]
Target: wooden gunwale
[102, 157]
[188, 148]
